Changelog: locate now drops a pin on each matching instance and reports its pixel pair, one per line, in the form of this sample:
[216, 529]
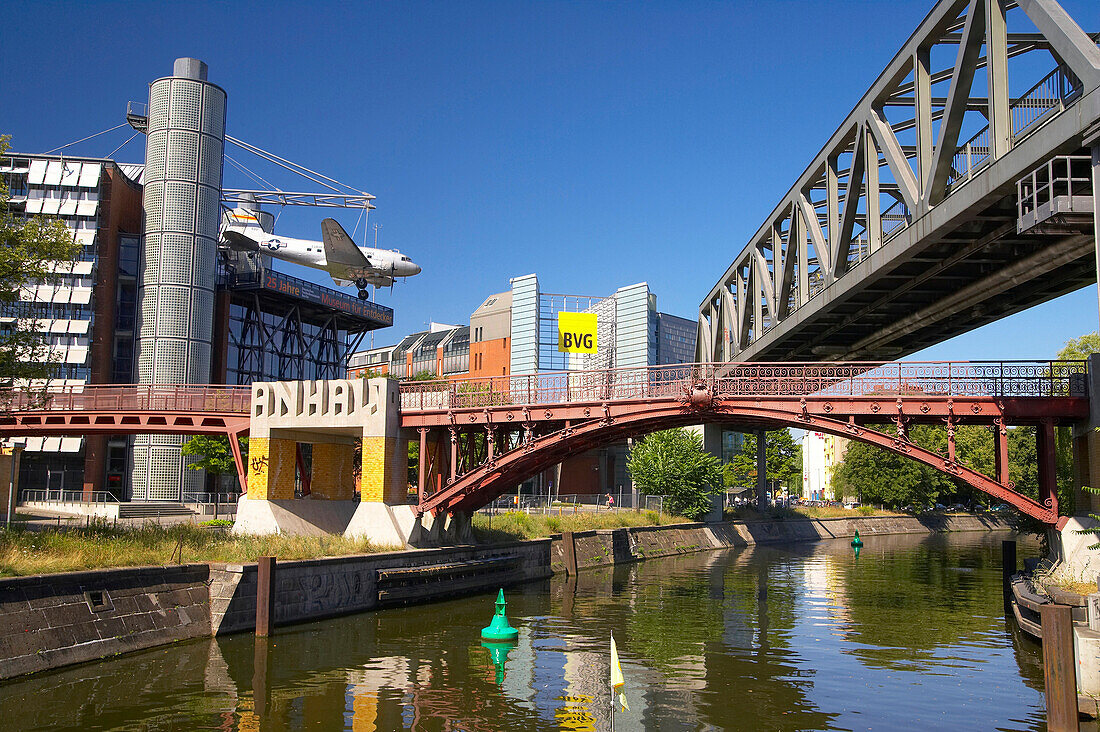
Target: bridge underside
[975, 274]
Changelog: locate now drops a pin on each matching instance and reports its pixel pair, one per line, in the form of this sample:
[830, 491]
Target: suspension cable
[77, 142]
[294, 167]
[108, 155]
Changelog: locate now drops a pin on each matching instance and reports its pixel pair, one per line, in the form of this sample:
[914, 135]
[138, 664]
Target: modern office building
[264, 325]
[516, 332]
[89, 309]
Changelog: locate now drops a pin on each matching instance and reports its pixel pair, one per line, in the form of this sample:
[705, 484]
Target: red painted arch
[492, 479]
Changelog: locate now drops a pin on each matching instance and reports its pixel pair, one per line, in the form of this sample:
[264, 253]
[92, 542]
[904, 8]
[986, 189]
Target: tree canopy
[214, 453]
[1080, 348]
[673, 463]
[32, 250]
[783, 456]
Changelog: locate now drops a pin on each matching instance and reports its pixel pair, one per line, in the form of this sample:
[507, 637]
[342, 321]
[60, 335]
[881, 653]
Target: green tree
[213, 453]
[1078, 349]
[783, 456]
[881, 476]
[673, 463]
[32, 250]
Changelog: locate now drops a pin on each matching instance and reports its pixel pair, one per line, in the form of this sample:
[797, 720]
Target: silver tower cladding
[184, 147]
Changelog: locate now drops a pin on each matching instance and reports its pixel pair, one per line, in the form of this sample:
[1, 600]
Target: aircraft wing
[344, 258]
[240, 242]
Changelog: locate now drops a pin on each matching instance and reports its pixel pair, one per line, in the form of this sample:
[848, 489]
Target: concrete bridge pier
[331, 416]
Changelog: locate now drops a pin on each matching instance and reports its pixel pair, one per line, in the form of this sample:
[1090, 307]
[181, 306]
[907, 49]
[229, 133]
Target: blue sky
[597, 144]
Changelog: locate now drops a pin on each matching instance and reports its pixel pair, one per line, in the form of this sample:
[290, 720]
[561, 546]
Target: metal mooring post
[569, 549]
[1008, 564]
[265, 596]
[1059, 668]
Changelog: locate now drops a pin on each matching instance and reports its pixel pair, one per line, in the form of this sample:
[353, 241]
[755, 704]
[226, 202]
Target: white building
[821, 454]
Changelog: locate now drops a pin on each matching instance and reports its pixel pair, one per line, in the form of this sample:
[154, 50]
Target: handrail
[128, 397]
[884, 380]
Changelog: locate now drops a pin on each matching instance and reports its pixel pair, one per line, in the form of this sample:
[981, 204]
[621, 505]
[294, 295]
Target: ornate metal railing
[932, 379]
[128, 398]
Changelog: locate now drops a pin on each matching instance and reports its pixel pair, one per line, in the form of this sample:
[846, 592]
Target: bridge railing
[128, 398]
[891, 380]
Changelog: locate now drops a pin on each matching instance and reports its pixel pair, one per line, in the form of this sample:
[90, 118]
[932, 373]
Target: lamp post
[16, 446]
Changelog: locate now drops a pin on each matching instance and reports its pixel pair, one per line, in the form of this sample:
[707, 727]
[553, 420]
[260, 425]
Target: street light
[16, 445]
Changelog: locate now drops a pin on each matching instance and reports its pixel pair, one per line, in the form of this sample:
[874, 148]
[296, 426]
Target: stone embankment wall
[602, 547]
[320, 588]
[48, 621]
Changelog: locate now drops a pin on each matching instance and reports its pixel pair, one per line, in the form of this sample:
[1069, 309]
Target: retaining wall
[48, 621]
[602, 547]
[320, 588]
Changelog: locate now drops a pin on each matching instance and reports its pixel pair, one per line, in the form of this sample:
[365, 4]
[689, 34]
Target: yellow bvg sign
[577, 332]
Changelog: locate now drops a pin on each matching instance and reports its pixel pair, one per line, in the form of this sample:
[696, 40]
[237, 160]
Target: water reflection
[909, 635]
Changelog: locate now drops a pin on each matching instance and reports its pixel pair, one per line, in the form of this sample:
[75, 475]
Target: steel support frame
[827, 221]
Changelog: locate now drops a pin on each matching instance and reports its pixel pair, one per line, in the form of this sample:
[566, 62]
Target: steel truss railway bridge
[961, 188]
[480, 437]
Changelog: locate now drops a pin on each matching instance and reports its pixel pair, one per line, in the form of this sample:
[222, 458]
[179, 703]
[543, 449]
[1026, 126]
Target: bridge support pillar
[761, 471]
[271, 468]
[712, 445]
[384, 515]
[1048, 464]
[328, 415]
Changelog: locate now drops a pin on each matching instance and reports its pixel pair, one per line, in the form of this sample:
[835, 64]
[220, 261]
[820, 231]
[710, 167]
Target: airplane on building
[336, 253]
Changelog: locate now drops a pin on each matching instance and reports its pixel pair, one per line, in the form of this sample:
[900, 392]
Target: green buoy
[857, 543]
[499, 629]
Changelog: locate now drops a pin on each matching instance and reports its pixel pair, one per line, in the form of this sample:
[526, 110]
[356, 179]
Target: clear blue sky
[597, 144]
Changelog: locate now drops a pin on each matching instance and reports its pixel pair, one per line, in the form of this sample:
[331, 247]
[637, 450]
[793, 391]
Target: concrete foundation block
[385, 525]
[1077, 563]
[1086, 646]
[295, 516]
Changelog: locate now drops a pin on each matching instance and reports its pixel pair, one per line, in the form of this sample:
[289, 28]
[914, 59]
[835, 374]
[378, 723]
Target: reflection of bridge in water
[479, 438]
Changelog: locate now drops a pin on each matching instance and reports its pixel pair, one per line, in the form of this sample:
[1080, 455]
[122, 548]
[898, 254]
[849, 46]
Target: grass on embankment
[749, 512]
[517, 526]
[99, 546]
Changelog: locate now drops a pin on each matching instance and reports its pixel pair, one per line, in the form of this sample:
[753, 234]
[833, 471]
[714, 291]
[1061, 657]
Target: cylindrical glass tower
[183, 182]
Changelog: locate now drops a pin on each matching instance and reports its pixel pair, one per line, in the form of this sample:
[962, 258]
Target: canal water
[910, 635]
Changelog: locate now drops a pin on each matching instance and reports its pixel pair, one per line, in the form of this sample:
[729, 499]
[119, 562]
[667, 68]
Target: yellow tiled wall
[333, 477]
[270, 468]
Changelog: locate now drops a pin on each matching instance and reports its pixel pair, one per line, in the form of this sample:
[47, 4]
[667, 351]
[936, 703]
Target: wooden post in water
[569, 549]
[1059, 668]
[265, 595]
[1008, 564]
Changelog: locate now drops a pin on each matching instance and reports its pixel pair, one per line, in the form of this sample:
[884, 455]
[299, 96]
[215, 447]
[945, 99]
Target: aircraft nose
[414, 268]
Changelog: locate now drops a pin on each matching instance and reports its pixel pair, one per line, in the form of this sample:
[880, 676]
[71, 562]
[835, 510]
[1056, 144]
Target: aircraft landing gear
[362, 284]
[364, 295]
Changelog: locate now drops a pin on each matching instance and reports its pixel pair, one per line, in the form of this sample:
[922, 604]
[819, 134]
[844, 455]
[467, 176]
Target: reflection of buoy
[498, 653]
[858, 549]
[857, 543]
[499, 629]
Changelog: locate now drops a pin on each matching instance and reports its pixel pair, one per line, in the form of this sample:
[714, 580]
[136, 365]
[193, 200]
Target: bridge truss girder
[881, 226]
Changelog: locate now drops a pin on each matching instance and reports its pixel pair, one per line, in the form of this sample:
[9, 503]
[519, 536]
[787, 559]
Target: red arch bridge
[480, 437]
